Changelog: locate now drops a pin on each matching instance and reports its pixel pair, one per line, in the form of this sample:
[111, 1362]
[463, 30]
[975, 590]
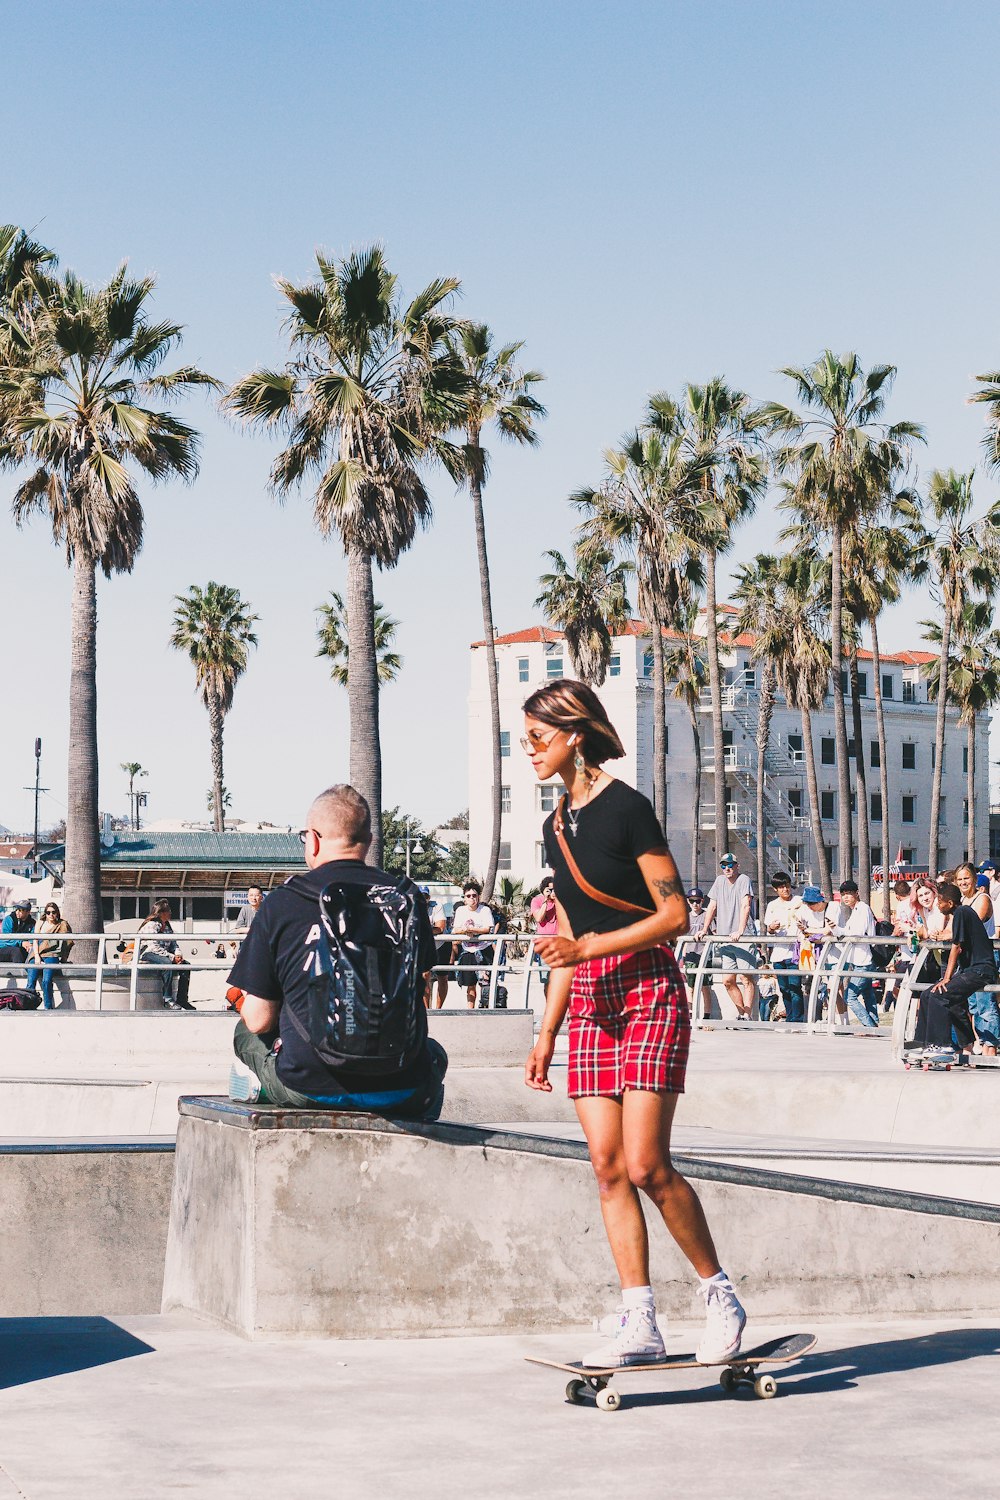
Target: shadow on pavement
[38, 1348]
[840, 1369]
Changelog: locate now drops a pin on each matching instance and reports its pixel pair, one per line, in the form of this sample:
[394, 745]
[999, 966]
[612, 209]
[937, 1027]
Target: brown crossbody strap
[582, 882]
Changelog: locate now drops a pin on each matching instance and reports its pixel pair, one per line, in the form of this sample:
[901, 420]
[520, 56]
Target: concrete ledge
[293, 1224]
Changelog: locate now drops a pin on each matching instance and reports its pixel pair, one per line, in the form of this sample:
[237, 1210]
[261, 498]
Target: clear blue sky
[645, 193]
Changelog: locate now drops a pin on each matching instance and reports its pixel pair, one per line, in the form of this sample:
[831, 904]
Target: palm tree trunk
[659, 726]
[362, 692]
[83, 846]
[215, 733]
[476, 491]
[939, 728]
[765, 709]
[715, 689]
[845, 861]
[816, 823]
[696, 809]
[970, 788]
[883, 762]
[861, 785]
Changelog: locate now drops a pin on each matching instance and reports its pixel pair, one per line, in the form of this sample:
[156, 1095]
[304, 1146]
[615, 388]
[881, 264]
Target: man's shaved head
[341, 813]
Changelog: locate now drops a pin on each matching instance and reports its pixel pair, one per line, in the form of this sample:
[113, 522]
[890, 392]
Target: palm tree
[214, 627]
[133, 770]
[687, 669]
[839, 454]
[590, 604]
[973, 684]
[722, 429]
[990, 396]
[334, 633]
[80, 393]
[25, 268]
[648, 506]
[961, 554]
[797, 645]
[756, 591]
[370, 387]
[498, 394]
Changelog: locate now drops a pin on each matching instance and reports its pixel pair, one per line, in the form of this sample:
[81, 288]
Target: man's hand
[536, 1069]
[559, 952]
[937, 988]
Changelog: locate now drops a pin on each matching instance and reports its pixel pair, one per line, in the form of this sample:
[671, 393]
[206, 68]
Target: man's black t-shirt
[274, 963]
[967, 930]
[613, 830]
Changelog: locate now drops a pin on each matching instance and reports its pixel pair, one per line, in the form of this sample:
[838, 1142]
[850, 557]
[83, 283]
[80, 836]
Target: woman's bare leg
[646, 1120]
[620, 1207]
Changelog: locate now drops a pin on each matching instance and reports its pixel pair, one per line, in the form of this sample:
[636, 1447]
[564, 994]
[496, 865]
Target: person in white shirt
[439, 974]
[855, 918]
[780, 921]
[470, 924]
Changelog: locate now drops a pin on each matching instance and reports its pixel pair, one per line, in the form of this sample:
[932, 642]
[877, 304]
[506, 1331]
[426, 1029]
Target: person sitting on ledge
[290, 1005]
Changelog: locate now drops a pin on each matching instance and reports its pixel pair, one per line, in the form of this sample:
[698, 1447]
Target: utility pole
[37, 789]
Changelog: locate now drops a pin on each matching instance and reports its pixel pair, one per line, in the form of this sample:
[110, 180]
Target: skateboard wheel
[765, 1386]
[574, 1392]
[608, 1400]
[729, 1380]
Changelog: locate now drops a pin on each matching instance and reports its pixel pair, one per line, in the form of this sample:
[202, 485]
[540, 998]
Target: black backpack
[366, 1006]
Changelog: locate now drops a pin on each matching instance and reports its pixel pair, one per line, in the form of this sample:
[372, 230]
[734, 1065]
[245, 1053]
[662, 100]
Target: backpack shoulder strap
[558, 828]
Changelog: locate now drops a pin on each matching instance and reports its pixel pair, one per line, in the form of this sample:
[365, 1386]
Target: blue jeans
[790, 986]
[986, 1017]
[47, 970]
[864, 1009]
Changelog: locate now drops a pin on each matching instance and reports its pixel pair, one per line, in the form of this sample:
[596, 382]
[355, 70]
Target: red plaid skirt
[629, 1025]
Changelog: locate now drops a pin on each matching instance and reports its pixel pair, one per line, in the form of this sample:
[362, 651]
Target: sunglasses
[532, 740]
[50, 911]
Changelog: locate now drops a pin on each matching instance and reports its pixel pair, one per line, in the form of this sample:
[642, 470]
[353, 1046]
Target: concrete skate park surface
[148, 1407]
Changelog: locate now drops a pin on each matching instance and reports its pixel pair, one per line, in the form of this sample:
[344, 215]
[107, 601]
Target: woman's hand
[559, 952]
[536, 1069]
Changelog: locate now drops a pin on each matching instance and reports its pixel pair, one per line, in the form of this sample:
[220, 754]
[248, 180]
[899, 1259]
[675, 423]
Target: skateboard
[590, 1383]
[941, 1062]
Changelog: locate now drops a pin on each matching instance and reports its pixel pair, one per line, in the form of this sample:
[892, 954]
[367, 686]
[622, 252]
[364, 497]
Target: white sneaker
[244, 1086]
[725, 1323]
[635, 1341]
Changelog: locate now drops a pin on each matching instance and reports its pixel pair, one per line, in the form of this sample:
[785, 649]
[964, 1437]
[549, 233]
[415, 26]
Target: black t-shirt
[967, 929]
[613, 831]
[274, 964]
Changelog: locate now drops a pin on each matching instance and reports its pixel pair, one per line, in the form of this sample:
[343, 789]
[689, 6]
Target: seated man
[943, 1019]
[275, 977]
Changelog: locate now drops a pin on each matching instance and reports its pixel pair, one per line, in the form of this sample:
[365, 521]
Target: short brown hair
[342, 813]
[574, 706]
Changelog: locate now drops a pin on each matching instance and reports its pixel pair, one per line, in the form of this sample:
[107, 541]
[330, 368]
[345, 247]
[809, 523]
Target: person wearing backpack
[330, 980]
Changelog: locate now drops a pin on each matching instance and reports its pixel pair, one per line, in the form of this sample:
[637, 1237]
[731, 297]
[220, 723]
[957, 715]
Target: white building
[529, 658]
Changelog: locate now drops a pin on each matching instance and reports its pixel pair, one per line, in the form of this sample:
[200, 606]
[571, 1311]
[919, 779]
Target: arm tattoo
[671, 887]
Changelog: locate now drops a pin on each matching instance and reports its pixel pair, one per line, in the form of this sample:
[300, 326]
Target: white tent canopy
[18, 887]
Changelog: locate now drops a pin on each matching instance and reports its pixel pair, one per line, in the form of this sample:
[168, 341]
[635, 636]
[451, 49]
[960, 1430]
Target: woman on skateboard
[620, 902]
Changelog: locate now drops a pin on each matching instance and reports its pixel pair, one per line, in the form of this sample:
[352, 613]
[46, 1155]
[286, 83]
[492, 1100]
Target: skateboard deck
[593, 1383]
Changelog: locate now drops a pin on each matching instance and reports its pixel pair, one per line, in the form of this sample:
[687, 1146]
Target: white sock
[720, 1278]
[638, 1296]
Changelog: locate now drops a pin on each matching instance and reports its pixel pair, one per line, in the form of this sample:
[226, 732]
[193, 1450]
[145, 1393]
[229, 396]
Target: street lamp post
[412, 842]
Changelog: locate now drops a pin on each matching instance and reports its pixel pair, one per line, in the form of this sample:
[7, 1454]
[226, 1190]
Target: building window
[795, 855]
[876, 807]
[888, 691]
[522, 669]
[854, 802]
[909, 755]
[647, 663]
[876, 856]
[505, 799]
[615, 664]
[795, 801]
[548, 794]
[862, 684]
[503, 863]
[843, 682]
[206, 908]
[831, 859]
[553, 667]
[795, 751]
[852, 750]
[965, 760]
[909, 809]
[943, 812]
[667, 808]
[828, 806]
[874, 756]
[909, 691]
[907, 856]
[749, 677]
[828, 752]
[540, 856]
[965, 811]
[944, 758]
[505, 742]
